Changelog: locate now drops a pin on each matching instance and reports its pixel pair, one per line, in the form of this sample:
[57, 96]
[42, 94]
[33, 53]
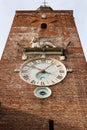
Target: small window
[51, 125]
[43, 25]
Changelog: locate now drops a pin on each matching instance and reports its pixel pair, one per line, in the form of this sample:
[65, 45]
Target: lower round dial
[42, 92]
[42, 76]
[43, 72]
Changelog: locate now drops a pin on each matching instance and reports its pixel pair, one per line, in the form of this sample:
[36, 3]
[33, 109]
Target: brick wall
[20, 109]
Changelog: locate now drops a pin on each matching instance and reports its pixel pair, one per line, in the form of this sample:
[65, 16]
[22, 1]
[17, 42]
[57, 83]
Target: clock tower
[43, 73]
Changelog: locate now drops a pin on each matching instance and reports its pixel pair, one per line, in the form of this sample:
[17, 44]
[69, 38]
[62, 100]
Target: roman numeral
[53, 81]
[61, 71]
[42, 83]
[59, 77]
[29, 64]
[35, 62]
[26, 77]
[58, 65]
[23, 71]
[43, 60]
[33, 81]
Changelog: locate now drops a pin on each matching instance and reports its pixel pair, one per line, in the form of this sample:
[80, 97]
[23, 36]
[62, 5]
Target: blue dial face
[43, 72]
[42, 76]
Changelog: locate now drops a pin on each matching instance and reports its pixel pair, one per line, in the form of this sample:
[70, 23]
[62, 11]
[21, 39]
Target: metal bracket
[69, 70]
[16, 70]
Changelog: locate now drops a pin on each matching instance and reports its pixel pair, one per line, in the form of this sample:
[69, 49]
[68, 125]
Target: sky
[8, 8]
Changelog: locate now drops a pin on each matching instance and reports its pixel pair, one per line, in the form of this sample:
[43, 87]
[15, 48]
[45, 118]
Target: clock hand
[36, 67]
[48, 66]
[42, 71]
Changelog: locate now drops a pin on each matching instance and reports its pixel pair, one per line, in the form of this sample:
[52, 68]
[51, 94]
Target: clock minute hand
[48, 66]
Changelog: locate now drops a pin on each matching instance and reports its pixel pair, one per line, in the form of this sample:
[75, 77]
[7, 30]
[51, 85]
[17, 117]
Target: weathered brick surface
[67, 106]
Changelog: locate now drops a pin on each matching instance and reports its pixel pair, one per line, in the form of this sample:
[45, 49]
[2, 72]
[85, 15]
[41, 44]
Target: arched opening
[51, 125]
[43, 25]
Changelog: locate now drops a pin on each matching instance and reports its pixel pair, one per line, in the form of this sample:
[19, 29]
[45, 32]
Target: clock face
[43, 72]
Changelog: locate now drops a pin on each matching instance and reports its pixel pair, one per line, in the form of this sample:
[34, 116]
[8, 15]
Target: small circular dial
[43, 72]
[42, 92]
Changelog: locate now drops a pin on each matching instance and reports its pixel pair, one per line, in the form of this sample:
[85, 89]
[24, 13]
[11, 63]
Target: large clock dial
[43, 72]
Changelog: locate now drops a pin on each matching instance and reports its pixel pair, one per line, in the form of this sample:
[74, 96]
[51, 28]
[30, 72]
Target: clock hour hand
[36, 67]
[43, 71]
